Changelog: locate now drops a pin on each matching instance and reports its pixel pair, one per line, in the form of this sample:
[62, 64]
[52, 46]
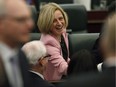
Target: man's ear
[40, 61]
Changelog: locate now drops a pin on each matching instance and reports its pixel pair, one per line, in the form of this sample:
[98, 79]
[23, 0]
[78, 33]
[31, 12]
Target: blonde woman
[52, 23]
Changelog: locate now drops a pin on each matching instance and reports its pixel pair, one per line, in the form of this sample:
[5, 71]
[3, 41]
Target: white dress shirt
[99, 67]
[7, 53]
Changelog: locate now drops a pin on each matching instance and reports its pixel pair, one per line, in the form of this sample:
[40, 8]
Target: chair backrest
[76, 41]
[35, 36]
[77, 15]
[58, 1]
[35, 15]
[81, 41]
[34, 12]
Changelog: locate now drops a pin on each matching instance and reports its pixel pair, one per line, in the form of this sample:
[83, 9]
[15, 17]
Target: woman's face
[58, 26]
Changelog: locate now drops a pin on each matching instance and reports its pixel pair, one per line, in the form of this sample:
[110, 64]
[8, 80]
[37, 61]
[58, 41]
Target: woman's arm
[56, 58]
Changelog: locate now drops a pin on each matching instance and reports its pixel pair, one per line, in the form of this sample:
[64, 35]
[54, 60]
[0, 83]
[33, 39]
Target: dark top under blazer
[64, 48]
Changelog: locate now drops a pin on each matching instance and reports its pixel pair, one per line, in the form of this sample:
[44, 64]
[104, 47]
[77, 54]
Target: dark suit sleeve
[24, 69]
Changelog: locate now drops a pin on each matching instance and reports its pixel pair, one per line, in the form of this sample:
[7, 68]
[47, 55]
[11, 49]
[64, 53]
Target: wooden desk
[95, 20]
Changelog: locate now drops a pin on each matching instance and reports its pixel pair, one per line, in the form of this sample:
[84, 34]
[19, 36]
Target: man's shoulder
[22, 57]
[39, 82]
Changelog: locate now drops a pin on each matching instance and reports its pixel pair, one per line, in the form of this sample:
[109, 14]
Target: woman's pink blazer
[57, 66]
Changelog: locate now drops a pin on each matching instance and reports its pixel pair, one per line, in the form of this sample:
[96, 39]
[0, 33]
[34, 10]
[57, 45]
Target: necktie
[16, 72]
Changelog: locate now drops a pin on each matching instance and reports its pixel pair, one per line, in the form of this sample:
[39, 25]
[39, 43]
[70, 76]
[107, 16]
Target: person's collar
[6, 49]
[111, 62]
[37, 74]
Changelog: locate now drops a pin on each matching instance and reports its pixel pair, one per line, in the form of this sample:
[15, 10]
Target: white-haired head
[34, 50]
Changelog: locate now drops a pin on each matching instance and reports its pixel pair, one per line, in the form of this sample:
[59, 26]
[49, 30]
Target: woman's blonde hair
[46, 17]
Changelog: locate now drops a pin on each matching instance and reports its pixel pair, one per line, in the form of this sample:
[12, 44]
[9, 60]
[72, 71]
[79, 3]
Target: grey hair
[34, 50]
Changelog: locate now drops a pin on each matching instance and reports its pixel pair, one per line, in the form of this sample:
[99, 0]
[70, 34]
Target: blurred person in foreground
[38, 58]
[96, 48]
[15, 26]
[108, 47]
[52, 23]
